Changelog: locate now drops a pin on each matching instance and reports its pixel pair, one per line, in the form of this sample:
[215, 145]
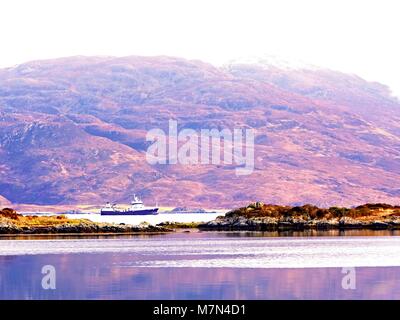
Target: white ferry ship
[136, 208]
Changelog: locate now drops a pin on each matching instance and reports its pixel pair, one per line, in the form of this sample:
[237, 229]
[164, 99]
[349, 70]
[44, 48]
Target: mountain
[72, 130]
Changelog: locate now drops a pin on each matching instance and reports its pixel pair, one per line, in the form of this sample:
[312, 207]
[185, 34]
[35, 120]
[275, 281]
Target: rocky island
[13, 223]
[255, 217]
[267, 217]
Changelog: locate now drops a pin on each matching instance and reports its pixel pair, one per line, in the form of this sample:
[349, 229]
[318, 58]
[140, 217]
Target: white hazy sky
[360, 37]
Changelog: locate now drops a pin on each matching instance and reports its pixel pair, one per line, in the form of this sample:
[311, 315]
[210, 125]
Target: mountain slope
[72, 130]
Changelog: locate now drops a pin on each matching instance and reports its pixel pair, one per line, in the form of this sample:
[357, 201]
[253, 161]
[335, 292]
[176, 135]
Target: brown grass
[307, 212]
[8, 215]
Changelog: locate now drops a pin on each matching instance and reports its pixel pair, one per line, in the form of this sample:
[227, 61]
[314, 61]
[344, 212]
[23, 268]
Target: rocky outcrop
[79, 228]
[260, 217]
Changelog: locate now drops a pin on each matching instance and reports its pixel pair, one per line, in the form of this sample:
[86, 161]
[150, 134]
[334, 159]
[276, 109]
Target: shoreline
[13, 223]
[255, 217]
[284, 233]
[83, 235]
[130, 230]
[266, 217]
[284, 226]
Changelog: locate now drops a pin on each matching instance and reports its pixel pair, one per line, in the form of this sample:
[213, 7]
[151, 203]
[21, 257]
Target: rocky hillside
[73, 130]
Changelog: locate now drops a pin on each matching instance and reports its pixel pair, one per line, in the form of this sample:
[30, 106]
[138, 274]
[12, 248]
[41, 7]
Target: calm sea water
[152, 219]
[203, 265]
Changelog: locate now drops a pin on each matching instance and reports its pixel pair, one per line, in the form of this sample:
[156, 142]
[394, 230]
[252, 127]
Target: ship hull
[141, 212]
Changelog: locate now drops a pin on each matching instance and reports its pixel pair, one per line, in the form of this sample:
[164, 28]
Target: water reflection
[198, 233]
[115, 274]
[102, 276]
